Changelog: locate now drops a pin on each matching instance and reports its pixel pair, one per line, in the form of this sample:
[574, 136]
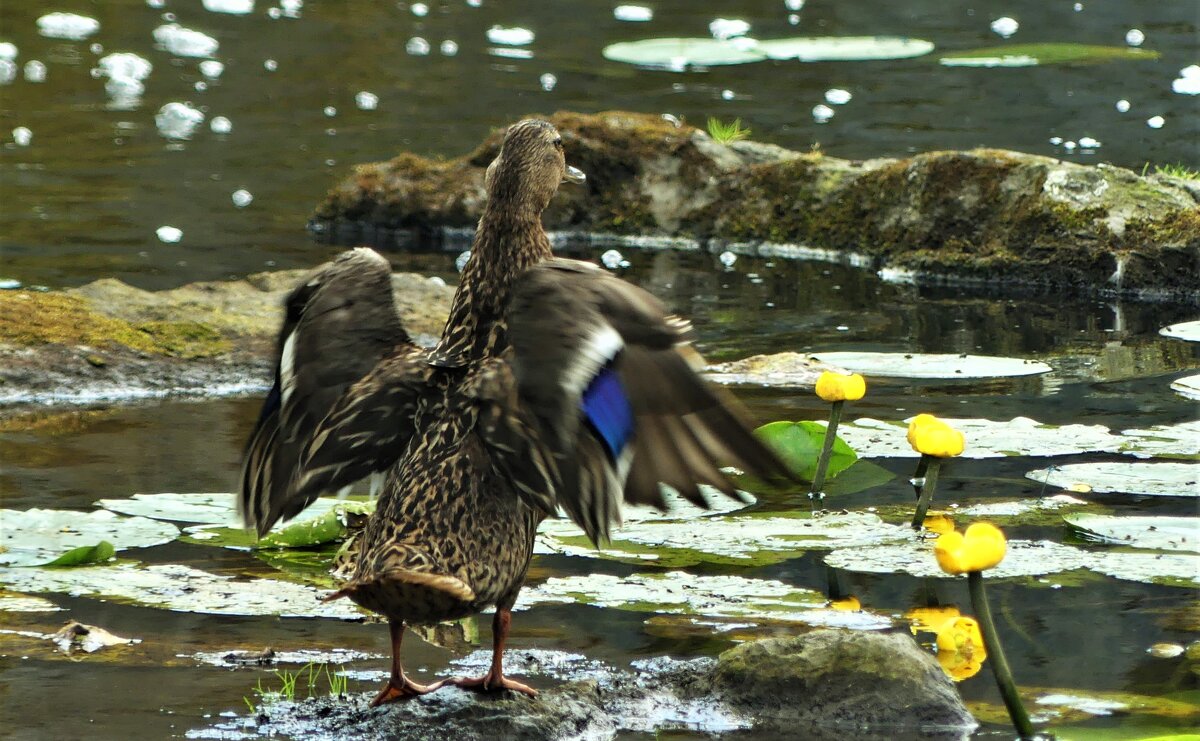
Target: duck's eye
[558, 143]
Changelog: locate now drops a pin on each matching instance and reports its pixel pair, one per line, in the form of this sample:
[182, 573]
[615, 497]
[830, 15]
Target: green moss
[32, 318]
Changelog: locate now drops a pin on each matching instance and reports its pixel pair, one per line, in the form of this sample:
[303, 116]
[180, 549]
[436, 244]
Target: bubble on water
[22, 136]
[274, 13]
[728, 28]
[8, 50]
[169, 234]
[794, 19]
[291, 8]
[474, 3]
[1005, 26]
[177, 120]
[1135, 37]
[1088, 142]
[633, 13]
[821, 113]
[417, 46]
[185, 42]
[270, 65]
[366, 101]
[211, 68]
[794, 5]
[460, 262]
[449, 47]
[200, 86]
[842, 328]
[156, 4]
[1156, 122]
[67, 26]
[9, 284]
[125, 64]
[547, 81]
[1069, 145]
[420, 10]
[1123, 106]
[1056, 140]
[8, 71]
[125, 92]
[1078, 7]
[330, 111]
[242, 198]
[1188, 82]
[837, 96]
[35, 71]
[233, 7]
[168, 17]
[727, 95]
[510, 53]
[727, 258]
[515, 36]
[220, 125]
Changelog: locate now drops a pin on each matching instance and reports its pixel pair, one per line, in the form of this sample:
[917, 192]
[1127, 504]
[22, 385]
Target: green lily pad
[1188, 387]
[799, 444]
[1020, 508]
[1180, 441]
[921, 365]
[1189, 331]
[1153, 533]
[212, 508]
[1165, 569]
[735, 540]
[678, 54]
[86, 555]
[39, 536]
[24, 603]
[1025, 55]
[986, 438]
[1144, 479]
[181, 589]
[845, 48]
[915, 558]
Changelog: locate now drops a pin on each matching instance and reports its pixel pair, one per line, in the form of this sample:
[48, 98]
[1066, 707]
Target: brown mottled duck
[555, 387]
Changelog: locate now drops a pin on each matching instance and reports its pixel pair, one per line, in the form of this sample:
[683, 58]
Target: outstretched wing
[606, 381]
[340, 322]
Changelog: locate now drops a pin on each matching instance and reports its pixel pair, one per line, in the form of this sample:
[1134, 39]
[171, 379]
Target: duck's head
[530, 167]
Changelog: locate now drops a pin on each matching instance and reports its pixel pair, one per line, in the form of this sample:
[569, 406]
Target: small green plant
[289, 680]
[1177, 170]
[727, 133]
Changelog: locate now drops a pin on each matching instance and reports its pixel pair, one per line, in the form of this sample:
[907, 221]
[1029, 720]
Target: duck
[556, 388]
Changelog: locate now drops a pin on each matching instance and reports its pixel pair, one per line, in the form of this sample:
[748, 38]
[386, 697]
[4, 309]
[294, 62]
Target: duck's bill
[574, 175]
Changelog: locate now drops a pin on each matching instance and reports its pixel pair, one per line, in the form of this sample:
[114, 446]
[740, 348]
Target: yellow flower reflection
[846, 604]
[840, 387]
[929, 435]
[981, 547]
[960, 648]
[930, 619]
[939, 523]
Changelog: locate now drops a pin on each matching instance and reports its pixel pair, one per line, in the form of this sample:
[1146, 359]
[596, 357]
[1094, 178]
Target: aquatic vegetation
[1189, 331]
[981, 547]
[837, 389]
[1176, 170]
[727, 133]
[1148, 532]
[934, 440]
[801, 444]
[925, 365]
[1028, 55]
[960, 648]
[40, 536]
[85, 555]
[680, 54]
[1161, 479]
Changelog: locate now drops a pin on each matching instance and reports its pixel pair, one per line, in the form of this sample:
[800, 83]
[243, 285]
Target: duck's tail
[410, 596]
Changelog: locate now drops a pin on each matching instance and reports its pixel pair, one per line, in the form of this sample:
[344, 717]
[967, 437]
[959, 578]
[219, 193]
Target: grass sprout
[1177, 170]
[727, 133]
[312, 673]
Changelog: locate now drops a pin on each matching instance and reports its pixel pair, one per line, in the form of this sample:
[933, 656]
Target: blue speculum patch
[607, 409]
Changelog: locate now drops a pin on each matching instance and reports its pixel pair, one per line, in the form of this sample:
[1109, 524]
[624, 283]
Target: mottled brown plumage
[487, 434]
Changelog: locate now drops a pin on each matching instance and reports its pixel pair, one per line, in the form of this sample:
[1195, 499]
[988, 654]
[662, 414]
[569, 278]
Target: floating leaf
[332, 525]
[22, 603]
[845, 48]
[798, 444]
[212, 508]
[38, 536]
[1146, 479]
[85, 555]
[680, 53]
[1181, 440]
[1166, 569]
[1024, 55]
[986, 438]
[919, 365]
[1154, 533]
[1189, 331]
[1188, 387]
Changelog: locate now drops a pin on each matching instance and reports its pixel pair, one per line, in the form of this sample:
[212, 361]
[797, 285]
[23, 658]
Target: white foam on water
[1005, 26]
[449, 48]
[22, 136]
[232, 7]
[169, 234]
[515, 36]
[1123, 106]
[8, 71]
[242, 198]
[1188, 82]
[125, 64]
[611, 259]
[291, 8]
[727, 258]
[1156, 122]
[67, 26]
[330, 111]
[821, 113]
[837, 96]
[417, 46]
[8, 50]
[728, 28]
[177, 120]
[270, 65]
[211, 68]
[420, 10]
[1135, 37]
[366, 101]
[547, 81]
[220, 125]
[633, 13]
[185, 42]
[35, 71]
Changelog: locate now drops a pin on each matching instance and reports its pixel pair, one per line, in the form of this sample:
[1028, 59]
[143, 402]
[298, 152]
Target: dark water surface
[83, 201]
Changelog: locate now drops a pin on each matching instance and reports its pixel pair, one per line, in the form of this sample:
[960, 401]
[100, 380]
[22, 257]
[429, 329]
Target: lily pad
[1154, 533]
[1025, 55]
[181, 589]
[1020, 508]
[39, 536]
[986, 438]
[679, 54]
[735, 540]
[213, 508]
[23, 603]
[920, 365]
[86, 555]
[1189, 331]
[1180, 440]
[845, 48]
[799, 446]
[1166, 569]
[1188, 387]
[1145, 479]
[915, 558]
[331, 522]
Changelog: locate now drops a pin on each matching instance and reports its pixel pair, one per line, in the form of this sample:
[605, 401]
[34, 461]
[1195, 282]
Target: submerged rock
[985, 216]
[822, 685]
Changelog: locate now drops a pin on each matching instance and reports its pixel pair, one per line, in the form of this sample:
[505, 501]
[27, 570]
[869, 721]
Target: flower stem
[818, 482]
[995, 652]
[933, 464]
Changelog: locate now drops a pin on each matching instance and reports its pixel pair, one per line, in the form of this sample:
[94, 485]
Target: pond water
[86, 197]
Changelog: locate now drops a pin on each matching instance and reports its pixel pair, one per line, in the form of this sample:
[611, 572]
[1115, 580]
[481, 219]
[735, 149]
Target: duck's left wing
[609, 400]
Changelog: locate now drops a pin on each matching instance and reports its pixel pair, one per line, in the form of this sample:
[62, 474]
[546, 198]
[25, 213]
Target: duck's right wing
[339, 324]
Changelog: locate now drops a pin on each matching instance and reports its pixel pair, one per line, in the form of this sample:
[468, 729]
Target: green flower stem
[919, 475]
[835, 417]
[931, 474]
[995, 652]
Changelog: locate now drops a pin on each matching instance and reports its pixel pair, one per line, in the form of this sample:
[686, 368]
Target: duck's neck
[506, 244]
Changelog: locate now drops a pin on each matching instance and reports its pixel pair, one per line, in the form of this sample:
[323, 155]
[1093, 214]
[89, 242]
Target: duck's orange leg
[400, 687]
[495, 679]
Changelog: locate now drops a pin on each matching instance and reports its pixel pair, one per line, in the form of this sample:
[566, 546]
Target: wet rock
[990, 217]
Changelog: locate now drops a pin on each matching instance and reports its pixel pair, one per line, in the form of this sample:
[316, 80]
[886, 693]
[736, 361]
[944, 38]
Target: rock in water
[869, 682]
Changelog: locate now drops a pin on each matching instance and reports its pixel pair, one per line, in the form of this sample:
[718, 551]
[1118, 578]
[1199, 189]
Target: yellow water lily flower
[929, 435]
[939, 523]
[960, 648]
[981, 547]
[840, 387]
[846, 604]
